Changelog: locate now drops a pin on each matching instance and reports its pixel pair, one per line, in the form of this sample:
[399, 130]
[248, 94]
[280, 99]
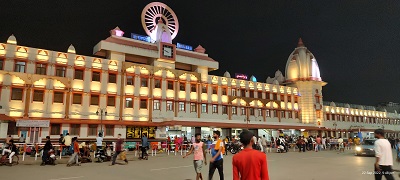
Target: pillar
[27, 100]
[67, 103]
[121, 93]
[150, 100]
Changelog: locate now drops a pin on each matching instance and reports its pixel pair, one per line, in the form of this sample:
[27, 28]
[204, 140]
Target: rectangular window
[58, 97]
[92, 131]
[128, 102]
[259, 95]
[296, 114]
[109, 130]
[204, 89]
[55, 129]
[1, 64]
[282, 98]
[252, 111]
[94, 99]
[267, 96]
[233, 92]
[267, 113]
[143, 82]
[290, 115]
[234, 110]
[78, 74]
[193, 107]
[157, 83]
[129, 80]
[170, 106]
[259, 112]
[182, 86]
[77, 99]
[317, 99]
[283, 114]
[289, 98]
[214, 108]
[170, 85]
[61, 71]
[181, 106]
[275, 113]
[193, 88]
[41, 69]
[38, 95]
[243, 110]
[19, 66]
[111, 101]
[75, 129]
[143, 104]
[296, 99]
[215, 89]
[224, 109]
[274, 96]
[242, 93]
[16, 94]
[96, 76]
[156, 104]
[112, 78]
[251, 94]
[224, 91]
[204, 108]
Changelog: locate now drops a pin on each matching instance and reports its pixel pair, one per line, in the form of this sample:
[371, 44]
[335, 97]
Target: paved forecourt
[287, 166]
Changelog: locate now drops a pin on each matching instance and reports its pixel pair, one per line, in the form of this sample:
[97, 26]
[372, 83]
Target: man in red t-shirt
[249, 163]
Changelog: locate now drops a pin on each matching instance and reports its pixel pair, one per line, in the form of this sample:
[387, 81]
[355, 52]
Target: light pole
[102, 111]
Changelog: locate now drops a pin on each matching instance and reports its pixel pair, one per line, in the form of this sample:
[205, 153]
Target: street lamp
[103, 111]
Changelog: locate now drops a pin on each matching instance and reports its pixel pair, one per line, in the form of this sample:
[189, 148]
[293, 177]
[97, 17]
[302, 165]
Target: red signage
[241, 76]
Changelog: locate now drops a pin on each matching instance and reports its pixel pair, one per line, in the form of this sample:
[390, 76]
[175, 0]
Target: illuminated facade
[155, 85]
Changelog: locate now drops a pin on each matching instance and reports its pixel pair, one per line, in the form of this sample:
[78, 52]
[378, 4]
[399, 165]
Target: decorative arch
[158, 73]
[62, 58]
[113, 65]
[97, 63]
[183, 76]
[40, 83]
[58, 84]
[170, 74]
[79, 61]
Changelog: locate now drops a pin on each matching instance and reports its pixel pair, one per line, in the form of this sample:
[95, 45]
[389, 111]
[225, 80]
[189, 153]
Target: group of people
[248, 164]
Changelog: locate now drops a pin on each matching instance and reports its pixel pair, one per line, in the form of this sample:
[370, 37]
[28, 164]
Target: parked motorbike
[51, 158]
[102, 156]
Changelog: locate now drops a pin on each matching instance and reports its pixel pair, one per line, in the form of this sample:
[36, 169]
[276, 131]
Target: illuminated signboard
[135, 132]
[140, 37]
[241, 76]
[184, 46]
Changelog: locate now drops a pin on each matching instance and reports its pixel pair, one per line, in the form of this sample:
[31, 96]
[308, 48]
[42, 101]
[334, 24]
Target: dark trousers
[115, 157]
[302, 146]
[216, 165]
[143, 152]
[386, 171]
[44, 156]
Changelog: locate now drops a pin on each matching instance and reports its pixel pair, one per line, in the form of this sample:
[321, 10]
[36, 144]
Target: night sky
[356, 43]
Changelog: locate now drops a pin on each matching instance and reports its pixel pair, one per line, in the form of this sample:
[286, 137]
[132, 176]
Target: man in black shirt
[46, 150]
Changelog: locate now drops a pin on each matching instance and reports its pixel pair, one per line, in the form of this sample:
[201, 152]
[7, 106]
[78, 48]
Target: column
[121, 93]
[199, 91]
[27, 100]
[151, 88]
[67, 103]
[176, 89]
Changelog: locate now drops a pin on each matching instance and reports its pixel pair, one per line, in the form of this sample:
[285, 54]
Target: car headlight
[358, 148]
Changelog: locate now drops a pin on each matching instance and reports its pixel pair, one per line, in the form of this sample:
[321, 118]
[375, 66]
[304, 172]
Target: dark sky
[356, 43]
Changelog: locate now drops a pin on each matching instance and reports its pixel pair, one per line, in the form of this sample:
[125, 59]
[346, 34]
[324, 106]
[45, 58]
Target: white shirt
[323, 140]
[99, 141]
[383, 150]
[340, 140]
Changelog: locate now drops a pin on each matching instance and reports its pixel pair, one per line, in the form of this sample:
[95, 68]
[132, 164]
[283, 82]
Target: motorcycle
[235, 148]
[51, 158]
[102, 156]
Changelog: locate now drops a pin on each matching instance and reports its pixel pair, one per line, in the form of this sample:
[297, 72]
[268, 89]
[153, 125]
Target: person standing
[264, 143]
[318, 144]
[324, 142]
[118, 149]
[249, 163]
[99, 142]
[75, 156]
[67, 142]
[144, 144]
[255, 142]
[199, 150]
[341, 145]
[217, 161]
[384, 159]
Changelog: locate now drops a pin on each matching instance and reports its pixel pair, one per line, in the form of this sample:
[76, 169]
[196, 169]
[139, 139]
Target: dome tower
[302, 71]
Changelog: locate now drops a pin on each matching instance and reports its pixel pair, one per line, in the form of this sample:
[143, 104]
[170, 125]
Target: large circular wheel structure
[152, 13]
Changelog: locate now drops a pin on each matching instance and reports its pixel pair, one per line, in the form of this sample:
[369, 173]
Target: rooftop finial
[300, 43]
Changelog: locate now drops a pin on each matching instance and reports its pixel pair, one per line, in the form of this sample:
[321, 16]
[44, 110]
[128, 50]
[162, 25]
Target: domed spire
[300, 43]
[12, 39]
[117, 32]
[200, 49]
[227, 74]
[71, 49]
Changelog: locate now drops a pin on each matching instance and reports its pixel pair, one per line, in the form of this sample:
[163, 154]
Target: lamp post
[103, 111]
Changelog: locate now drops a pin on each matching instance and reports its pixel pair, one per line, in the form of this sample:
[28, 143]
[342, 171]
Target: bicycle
[5, 161]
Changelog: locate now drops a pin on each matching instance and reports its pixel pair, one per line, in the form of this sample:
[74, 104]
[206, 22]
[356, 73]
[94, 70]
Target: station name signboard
[184, 46]
[241, 76]
[140, 37]
[33, 123]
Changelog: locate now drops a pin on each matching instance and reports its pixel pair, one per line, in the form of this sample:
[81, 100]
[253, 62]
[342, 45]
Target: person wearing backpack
[217, 161]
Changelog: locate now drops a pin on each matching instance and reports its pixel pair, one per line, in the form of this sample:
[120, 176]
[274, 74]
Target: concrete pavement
[326, 165]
